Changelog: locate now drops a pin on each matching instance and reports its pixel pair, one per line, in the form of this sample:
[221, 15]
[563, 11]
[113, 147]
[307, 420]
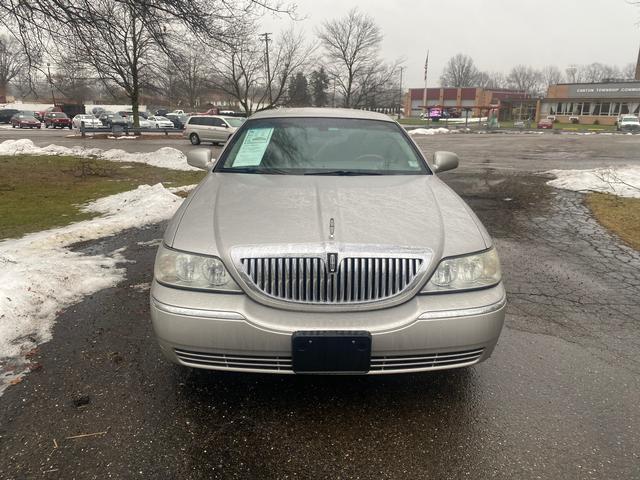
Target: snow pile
[39, 275]
[429, 131]
[165, 157]
[621, 181]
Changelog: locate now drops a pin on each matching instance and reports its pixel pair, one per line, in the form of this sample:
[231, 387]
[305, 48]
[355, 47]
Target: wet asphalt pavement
[558, 399]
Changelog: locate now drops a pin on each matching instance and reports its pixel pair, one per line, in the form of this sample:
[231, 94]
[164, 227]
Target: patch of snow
[40, 275]
[184, 188]
[165, 157]
[429, 131]
[622, 181]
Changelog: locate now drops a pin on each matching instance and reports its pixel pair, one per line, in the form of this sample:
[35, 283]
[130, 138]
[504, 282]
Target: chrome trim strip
[464, 312]
[197, 312]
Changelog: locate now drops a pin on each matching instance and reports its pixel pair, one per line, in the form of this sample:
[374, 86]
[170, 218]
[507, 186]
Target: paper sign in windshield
[253, 147]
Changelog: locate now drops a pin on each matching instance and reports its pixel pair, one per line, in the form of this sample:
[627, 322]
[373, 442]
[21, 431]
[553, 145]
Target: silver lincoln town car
[322, 241]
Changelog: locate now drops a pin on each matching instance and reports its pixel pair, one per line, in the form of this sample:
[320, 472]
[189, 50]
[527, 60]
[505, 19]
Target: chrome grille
[307, 279]
[419, 362]
[244, 362]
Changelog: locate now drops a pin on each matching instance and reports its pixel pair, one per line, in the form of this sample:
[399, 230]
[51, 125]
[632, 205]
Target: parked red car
[41, 114]
[57, 119]
[545, 123]
[23, 120]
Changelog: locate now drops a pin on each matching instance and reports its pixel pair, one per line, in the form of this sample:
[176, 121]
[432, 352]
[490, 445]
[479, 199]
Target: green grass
[41, 192]
[621, 215]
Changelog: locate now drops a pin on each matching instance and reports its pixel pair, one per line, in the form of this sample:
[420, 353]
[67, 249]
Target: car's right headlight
[468, 272]
[192, 271]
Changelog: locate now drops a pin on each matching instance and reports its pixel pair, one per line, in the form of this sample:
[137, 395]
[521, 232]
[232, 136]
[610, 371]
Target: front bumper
[233, 332]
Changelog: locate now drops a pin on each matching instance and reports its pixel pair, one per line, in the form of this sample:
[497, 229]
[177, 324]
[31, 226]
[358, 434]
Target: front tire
[195, 140]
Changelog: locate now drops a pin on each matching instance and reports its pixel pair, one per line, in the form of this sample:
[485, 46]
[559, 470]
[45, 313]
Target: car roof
[323, 113]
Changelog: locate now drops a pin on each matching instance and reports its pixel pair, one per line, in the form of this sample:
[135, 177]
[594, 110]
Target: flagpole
[424, 94]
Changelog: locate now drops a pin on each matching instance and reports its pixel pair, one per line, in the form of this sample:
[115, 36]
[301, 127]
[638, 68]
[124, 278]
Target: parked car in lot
[57, 120]
[158, 121]
[322, 241]
[40, 115]
[179, 121]
[110, 119]
[545, 123]
[24, 120]
[628, 123]
[6, 114]
[211, 128]
[90, 121]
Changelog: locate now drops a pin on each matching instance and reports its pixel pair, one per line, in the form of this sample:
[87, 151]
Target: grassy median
[41, 192]
[621, 215]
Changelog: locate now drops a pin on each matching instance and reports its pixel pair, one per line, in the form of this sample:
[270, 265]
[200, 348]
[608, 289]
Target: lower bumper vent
[420, 362]
[246, 362]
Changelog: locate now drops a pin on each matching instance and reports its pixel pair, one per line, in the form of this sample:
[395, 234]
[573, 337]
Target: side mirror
[200, 158]
[443, 161]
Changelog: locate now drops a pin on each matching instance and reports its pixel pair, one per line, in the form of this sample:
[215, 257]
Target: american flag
[426, 66]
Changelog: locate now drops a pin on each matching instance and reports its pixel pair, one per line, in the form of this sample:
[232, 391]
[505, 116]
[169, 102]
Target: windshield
[234, 121]
[57, 115]
[629, 119]
[322, 146]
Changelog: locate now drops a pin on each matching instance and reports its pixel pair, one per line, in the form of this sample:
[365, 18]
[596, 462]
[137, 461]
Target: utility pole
[53, 98]
[266, 40]
[400, 106]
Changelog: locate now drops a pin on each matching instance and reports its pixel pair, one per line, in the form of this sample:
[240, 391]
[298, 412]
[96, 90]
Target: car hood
[229, 210]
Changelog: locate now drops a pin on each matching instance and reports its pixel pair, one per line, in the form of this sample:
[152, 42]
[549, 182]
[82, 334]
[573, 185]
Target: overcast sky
[497, 34]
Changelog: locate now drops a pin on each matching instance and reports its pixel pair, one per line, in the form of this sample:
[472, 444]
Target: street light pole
[400, 105]
[53, 98]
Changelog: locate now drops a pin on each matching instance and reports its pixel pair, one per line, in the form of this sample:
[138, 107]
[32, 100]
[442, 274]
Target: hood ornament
[332, 229]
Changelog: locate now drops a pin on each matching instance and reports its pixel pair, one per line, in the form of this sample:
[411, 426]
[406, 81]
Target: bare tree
[460, 71]
[628, 72]
[120, 39]
[551, 75]
[525, 79]
[240, 71]
[351, 47]
[185, 75]
[13, 62]
[491, 80]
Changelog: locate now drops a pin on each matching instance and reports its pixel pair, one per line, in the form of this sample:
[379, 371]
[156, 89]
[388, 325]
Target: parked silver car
[211, 128]
[322, 241]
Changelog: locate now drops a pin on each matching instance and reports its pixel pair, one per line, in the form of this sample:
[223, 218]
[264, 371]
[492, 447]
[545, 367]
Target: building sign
[605, 90]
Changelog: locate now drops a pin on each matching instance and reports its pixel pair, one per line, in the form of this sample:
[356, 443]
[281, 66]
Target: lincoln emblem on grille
[333, 262]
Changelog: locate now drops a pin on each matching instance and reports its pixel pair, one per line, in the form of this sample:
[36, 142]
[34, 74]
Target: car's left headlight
[187, 270]
[467, 272]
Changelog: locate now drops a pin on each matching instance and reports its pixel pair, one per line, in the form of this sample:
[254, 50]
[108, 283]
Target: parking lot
[558, 398]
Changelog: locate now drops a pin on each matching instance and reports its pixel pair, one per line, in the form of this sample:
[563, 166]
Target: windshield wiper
[267, 171]
[344, 173]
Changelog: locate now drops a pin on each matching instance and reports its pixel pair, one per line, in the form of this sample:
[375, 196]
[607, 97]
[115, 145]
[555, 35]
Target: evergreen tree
[299, 91]
[319, 85]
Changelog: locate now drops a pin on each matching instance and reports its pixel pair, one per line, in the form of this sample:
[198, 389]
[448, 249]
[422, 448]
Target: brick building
[474, 100]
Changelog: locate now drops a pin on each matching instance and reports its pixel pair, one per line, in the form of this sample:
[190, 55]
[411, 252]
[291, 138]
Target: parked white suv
[211, 128]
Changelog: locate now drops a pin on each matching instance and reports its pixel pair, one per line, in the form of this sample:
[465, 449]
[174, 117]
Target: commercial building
[591, 103]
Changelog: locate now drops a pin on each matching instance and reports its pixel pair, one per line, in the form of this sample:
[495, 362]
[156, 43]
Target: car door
[207, 126]
[219, 129]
